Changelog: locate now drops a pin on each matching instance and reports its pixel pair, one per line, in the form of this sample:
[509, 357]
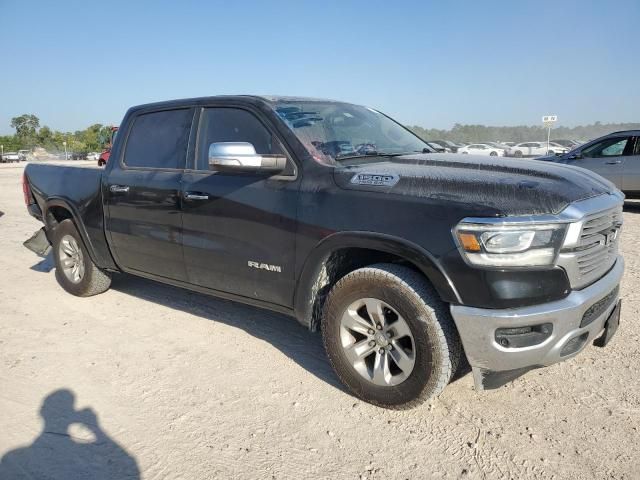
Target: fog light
[519, 337]
[573, 345]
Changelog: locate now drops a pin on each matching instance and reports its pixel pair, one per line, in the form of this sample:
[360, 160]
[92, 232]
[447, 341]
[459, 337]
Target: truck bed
[76, 189]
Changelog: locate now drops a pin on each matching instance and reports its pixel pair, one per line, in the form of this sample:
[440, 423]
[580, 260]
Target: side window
[233, 125]
[159, 140]
[611, 147]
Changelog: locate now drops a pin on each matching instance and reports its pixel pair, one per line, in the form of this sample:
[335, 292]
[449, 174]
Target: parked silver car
[616, 157]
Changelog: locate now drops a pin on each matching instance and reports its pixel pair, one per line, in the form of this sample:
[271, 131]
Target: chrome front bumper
[477, 328]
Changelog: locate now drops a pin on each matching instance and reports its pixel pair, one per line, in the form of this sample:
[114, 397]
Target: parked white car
[10, 157]
[535, 149]
[93, 156]
[482, 149]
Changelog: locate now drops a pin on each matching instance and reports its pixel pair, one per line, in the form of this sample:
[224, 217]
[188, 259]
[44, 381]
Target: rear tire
[427, 336]
[494, 154]
[75, 271]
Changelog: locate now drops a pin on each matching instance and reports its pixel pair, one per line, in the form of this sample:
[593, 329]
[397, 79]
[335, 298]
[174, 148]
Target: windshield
[334, 131]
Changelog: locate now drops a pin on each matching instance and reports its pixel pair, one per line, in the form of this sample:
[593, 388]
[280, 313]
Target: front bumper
[493, 365]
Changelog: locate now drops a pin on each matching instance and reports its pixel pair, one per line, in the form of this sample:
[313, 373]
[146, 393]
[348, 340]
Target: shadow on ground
[45, 265]
[281, 331]
[72, 446]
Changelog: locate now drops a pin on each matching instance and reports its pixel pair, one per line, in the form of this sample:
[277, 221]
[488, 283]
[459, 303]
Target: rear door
[143, 194]
[607, 157]
[240, 228]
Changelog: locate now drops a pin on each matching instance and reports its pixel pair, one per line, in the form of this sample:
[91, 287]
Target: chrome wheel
[377, 342]
[71, 259]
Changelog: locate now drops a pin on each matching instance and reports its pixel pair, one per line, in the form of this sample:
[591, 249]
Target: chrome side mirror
[242, 157]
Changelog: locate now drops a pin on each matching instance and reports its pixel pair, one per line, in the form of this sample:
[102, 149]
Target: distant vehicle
[11, 157]
[437, 147]
[616, 157]
[78, 156]
[508, 144]
[23, 155]
[106, 153]
[496, 145]
[535, 149]
[570, 144]
[482, 149]
[447, 144]
[93, 156]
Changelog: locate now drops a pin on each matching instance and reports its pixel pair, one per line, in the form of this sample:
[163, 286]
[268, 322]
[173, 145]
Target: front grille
[598, 246]
[596, 249]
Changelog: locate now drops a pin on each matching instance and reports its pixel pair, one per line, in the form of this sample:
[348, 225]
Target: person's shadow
[72, 446]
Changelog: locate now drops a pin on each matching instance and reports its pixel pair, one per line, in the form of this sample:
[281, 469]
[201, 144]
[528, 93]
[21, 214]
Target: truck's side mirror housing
[242, 157]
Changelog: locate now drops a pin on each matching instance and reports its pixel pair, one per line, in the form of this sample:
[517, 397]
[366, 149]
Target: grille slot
[598, 246]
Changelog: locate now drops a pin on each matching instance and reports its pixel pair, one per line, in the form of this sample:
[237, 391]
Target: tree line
[29, 134]
[521, 133]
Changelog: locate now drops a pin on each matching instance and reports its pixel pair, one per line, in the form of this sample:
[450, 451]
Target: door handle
[195, 196]
[118, 189]
[613, 162]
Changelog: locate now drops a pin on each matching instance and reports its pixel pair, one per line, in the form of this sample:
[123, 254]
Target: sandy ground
[172, 384]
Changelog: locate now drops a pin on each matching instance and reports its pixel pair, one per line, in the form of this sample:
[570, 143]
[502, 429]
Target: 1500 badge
[265, 266]
[375, 179]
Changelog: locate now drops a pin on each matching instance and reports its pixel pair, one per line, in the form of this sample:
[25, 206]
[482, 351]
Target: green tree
[25, 125]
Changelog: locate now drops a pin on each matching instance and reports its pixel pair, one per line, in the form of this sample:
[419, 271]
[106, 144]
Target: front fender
[314, 272]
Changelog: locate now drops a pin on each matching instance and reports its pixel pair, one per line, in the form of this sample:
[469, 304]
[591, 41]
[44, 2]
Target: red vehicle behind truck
[106, 153]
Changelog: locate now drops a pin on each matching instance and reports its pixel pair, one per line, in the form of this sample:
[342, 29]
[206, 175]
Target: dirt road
[171, 384]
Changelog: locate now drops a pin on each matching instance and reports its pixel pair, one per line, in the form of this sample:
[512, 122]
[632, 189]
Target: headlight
[503, 245]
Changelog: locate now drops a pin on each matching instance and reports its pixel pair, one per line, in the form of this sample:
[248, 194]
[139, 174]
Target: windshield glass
[334, 131]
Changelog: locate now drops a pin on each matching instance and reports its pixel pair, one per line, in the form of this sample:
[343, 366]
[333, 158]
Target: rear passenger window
[159, 140]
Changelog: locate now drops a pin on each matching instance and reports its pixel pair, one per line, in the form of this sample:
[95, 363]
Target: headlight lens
[501, 245]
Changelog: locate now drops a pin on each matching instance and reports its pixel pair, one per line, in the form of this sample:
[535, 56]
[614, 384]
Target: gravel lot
[172, 384]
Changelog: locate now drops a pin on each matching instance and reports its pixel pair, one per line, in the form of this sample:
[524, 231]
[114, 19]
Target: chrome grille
[597, 247]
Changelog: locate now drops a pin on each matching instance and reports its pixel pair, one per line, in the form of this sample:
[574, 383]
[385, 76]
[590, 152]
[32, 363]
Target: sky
[427, 63]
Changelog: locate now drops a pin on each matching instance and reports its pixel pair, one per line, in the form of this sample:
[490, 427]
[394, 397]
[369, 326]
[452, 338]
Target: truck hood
[494, 186]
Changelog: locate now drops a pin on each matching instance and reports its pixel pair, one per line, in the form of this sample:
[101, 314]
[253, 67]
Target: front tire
[518, 154]
[75, 271]
[388, 336]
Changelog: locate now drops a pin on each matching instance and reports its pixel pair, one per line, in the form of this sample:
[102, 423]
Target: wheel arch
[343, 252]
[59, 209]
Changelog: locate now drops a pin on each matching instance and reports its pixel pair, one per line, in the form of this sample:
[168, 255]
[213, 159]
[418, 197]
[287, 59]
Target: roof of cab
[237, 98]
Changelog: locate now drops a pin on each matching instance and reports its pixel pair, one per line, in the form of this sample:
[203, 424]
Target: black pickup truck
[333, 213]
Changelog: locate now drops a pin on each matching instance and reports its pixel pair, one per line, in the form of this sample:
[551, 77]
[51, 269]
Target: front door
[240, 228]
[144, 218]
[631, 169]
[606, 157]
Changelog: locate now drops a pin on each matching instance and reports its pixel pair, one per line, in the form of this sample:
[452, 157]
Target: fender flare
[77, 220]
[306, 286]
